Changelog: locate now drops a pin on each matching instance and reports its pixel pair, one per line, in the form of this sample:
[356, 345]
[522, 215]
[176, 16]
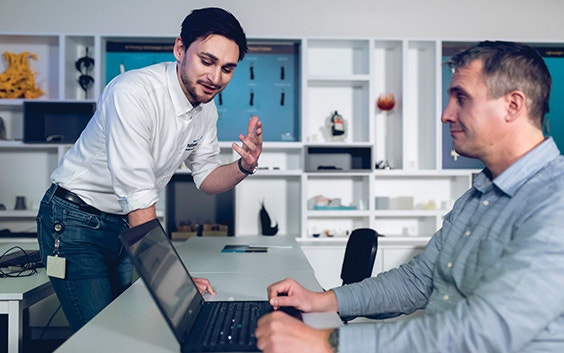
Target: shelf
[410, 213]
[337, 213]
[15, 103]
[346, 75]
[18, 214]
[382, 241]
[430, 173]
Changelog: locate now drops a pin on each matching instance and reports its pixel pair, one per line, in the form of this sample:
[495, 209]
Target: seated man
[491, 279]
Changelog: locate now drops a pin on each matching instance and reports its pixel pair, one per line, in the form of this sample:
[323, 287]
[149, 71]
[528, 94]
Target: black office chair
[360, 254]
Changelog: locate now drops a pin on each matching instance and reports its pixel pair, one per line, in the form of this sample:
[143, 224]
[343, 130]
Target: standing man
[491, 279]
[147, 123]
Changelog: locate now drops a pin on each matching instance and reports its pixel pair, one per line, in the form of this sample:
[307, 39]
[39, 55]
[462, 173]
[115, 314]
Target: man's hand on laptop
[204, 286]
[290, 293]
[277, 332]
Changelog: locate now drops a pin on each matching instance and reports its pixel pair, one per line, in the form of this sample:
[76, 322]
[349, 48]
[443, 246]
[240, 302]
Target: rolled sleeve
[129, 152]
[205, 158]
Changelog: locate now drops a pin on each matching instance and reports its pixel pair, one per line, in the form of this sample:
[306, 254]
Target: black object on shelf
[6, 233]
[55, 121]
[266, 222]
[343, 159]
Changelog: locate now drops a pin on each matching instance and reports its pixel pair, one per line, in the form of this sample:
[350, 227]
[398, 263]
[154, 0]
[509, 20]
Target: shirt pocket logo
[192, 145]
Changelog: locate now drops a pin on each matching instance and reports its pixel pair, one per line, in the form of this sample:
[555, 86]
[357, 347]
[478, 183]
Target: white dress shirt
[143, 129]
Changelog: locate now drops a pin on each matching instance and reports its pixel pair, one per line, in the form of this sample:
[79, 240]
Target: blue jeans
[97, 266]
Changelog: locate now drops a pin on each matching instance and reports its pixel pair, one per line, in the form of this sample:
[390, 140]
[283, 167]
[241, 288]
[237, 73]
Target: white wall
[446, 19]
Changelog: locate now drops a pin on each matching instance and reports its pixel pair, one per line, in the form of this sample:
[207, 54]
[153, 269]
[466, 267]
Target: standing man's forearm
[222, 178]
[141, 216]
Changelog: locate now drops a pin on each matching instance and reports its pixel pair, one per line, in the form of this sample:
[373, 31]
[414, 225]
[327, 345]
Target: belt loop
[50, 192]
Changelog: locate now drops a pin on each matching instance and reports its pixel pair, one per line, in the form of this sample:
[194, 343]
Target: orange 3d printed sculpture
[18, 81]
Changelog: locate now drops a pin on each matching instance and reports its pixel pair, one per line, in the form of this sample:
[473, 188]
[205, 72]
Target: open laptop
[199, 326]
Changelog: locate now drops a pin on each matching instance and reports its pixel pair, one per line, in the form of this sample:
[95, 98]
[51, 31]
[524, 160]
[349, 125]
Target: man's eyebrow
[215, 59]
[455, 90]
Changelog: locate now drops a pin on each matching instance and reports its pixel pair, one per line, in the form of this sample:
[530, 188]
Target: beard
[190, 88]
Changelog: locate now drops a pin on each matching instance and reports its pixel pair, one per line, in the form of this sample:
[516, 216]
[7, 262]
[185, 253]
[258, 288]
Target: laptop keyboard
[234, 323]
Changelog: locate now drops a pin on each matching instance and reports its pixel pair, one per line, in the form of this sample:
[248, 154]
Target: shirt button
[449, 265]
[467, 233]
[485, 203]
[445, 297]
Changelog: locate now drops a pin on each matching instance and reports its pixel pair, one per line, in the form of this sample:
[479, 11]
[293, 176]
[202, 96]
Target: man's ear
[178, 49]
[516, 104]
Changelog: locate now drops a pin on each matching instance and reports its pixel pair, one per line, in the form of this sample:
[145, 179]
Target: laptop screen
[164, 274]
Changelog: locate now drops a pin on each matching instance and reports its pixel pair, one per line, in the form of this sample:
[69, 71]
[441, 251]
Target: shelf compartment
[46, 67]
[337, 57]
[281, 157]
[75, 48]
[420, 117]
[352, 190]
[338, 227]
[413, 226]
[388, 79]
[338, 159]
[186, 205]
[348, 97]
[442, 190]
[19, 180]
[280, 195]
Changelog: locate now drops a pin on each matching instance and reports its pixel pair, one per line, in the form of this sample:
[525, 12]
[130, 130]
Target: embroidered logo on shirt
[192, 145]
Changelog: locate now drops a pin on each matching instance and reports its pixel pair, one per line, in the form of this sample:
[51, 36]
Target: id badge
[56, 266]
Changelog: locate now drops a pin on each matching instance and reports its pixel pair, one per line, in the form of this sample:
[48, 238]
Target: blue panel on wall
[129, 56]
[265, 83]
[554, 58]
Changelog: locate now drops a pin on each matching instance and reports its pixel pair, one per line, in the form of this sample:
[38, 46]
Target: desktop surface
[133, 322]
[206, 255]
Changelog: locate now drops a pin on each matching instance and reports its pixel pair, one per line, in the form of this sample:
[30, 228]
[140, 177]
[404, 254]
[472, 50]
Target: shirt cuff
[139, 200]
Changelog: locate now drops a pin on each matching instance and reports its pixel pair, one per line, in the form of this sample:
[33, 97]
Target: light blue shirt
[491, 280]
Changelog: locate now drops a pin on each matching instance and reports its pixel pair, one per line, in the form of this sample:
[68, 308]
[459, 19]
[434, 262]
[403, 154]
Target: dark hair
[508, 67]
[201, 23]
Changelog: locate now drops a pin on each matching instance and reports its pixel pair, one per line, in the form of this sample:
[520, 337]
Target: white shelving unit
[344, 75]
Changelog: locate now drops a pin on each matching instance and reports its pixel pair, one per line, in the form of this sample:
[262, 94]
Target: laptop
[17, 256]
[199, 326]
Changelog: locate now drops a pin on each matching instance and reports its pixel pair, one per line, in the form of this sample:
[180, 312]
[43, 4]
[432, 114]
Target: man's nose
[215, 75]
[449, 113]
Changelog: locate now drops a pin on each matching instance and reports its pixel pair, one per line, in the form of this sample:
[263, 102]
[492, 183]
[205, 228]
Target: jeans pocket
[78, 218]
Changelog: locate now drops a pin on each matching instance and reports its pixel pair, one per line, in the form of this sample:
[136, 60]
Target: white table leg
[15, 326]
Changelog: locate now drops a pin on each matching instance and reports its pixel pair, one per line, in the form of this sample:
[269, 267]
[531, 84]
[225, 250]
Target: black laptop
[199, 326]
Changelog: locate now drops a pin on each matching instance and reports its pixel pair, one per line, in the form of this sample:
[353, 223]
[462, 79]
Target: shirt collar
[522, 170]
[182, 105]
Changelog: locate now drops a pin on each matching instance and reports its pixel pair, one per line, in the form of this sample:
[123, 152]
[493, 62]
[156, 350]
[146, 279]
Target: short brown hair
[507, 67]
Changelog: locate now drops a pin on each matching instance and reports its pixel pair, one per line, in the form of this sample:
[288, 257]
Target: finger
[249, 145]
[204, 285]
[282, 286]
[252, 125]
[209, 288]
[280, 301]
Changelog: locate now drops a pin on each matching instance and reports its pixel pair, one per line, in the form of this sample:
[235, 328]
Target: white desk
[17, 294]
[203, 255]
[133, 322]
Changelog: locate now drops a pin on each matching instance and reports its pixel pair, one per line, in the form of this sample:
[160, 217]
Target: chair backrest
[360, 254]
